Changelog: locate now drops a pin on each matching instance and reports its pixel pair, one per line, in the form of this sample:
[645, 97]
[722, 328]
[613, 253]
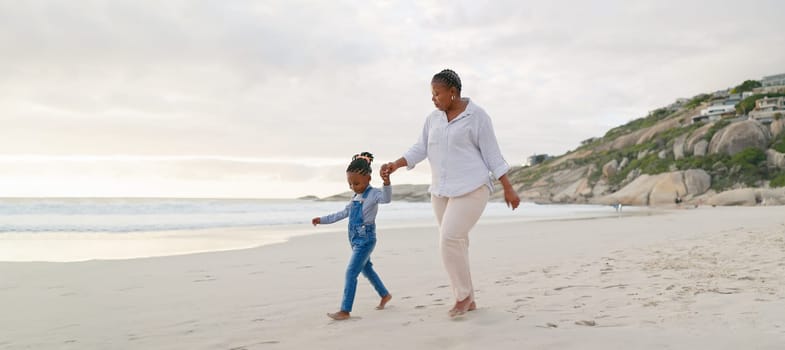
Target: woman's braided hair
[448, 77]
[361, 164]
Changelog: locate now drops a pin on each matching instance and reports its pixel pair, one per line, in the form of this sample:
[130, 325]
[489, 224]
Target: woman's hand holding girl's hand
[316, 221]
[388, 168]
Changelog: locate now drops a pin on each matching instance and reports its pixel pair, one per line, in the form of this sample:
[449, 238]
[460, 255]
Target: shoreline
[60, 247]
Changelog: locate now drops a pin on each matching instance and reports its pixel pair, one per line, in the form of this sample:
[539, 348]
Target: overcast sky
[271, 98]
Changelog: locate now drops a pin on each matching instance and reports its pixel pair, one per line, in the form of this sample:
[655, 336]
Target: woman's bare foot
[339, 316]
[384, 301]
[462, 306]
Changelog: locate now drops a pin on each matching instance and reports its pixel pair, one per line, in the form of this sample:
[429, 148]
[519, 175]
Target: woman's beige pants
[456, 217]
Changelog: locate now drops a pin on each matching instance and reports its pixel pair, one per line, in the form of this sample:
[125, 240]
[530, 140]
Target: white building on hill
[715, 112]
[768, 108]
[773, 80]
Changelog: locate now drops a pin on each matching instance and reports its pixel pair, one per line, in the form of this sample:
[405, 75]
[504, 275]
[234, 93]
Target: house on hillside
[731, 99]
[715, 112]
[720, 93]
[771, 83]
[773, 80]
[589, 140]
[536, 159]
[734, 99]
[768, 108]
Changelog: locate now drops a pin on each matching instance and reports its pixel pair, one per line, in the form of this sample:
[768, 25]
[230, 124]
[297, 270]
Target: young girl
[361, 211]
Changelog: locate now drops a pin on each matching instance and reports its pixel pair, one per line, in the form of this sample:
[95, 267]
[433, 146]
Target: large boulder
[695, 137]
[775, 159]
[635, 193]
[736, 137]
[771, 196]
[697, 181]
[667, 189]
[534, 195]
[700, 148]
[610, 168]
[572, 192]
[600, 189]
[678, 147]
[649, 133]
[661, 189]
[743, 196]
[777, 127]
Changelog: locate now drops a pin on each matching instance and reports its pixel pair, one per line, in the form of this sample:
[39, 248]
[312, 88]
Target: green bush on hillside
[747, 85]
[706, 163]
[697, 100]
[750, 156]
[637, 124]
[778, 144]
[751, 165]
[748, 104]
[778, 181]
[650, 164]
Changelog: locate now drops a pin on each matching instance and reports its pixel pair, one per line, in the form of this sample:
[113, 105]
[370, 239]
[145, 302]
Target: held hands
[387, 169]
[316, 221]
[385, 174]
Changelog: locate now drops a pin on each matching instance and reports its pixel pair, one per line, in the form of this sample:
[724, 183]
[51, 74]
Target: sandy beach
[706, 278]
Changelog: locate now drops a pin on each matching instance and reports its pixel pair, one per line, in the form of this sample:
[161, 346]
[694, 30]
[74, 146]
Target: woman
[460, 144]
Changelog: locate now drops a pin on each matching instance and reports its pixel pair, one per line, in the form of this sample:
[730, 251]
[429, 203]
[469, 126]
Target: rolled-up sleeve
[489, 149]
[329, 219]
[419, 151]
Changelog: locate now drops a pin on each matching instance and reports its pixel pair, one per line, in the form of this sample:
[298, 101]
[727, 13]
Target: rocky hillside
[665, 158]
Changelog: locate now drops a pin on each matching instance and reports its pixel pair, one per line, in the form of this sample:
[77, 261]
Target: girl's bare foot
[384, 301]
[339, 316]
[472, 306]
[461, 307]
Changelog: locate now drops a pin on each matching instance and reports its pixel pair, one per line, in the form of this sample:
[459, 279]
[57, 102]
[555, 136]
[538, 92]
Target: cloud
[306, 79]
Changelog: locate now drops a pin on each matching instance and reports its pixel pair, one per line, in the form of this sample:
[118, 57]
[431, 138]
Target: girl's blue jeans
[363, 240]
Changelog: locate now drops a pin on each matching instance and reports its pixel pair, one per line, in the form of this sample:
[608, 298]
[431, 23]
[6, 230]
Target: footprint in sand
[419, 307]
[207, 278]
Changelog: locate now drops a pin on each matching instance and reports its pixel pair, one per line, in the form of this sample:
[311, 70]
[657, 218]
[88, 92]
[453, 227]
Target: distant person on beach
[361, 212]
[460, 144]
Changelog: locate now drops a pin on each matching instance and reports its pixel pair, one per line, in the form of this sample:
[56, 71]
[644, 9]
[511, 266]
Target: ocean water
[121, 215]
